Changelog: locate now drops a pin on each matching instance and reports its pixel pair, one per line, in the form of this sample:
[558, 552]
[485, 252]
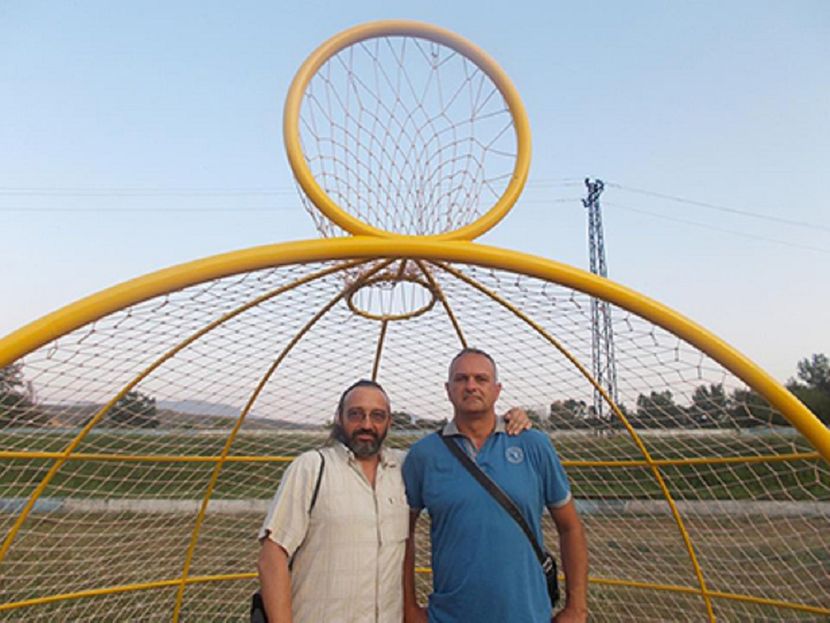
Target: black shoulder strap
[317, 484]
[310, 508]
[501, 497]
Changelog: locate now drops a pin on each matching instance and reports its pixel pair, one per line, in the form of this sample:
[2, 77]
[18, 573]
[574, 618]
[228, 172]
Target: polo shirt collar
[452, 428]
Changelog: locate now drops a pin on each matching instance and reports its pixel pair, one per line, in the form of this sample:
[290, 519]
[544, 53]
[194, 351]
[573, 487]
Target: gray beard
[361, 449]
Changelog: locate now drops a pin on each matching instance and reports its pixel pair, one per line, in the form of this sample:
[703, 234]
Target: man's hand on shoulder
[516, 421]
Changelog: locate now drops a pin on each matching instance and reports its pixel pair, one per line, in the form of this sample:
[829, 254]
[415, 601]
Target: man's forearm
[412, 612]
[573, 546]
[275, 582]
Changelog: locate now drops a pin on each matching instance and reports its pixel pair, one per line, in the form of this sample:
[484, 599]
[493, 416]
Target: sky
[138, 135]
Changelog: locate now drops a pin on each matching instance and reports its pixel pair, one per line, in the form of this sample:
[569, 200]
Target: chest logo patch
[514, 454]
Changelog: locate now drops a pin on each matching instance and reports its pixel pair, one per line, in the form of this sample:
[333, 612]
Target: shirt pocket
[394, 512]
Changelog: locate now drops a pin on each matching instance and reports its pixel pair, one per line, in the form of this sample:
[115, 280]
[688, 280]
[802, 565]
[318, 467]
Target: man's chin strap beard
[360, 450]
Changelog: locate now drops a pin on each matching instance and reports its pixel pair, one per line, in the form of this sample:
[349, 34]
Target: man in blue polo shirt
[484, 568]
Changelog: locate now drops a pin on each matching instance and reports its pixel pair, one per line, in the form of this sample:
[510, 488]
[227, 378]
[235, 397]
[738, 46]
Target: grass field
[95, 551]
[790, 480]
[785, 559]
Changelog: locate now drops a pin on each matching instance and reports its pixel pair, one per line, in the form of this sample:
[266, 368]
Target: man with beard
[343, 560]
[338, 556]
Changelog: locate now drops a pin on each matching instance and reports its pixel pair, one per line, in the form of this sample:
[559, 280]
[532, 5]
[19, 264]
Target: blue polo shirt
[484, 568]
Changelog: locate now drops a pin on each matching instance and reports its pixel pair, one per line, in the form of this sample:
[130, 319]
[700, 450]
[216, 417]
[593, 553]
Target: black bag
[257, 608]
[545, 558]
[552, 578]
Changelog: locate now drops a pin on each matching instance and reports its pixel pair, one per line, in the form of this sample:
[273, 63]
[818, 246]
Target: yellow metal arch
[56, 324]
[76, 315]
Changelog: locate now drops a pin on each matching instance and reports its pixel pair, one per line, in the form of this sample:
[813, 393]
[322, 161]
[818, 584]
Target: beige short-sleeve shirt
[348, 555]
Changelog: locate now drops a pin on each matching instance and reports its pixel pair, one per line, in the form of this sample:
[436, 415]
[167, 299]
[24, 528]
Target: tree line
[711, 406]
[19, 407]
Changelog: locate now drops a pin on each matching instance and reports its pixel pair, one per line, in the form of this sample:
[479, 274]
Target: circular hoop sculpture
[145, 428]
[399, 127]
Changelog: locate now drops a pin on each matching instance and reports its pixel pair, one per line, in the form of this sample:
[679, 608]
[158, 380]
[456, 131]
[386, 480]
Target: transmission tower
[604, 367]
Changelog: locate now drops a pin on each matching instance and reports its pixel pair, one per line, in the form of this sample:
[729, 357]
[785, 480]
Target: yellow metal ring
[404, 28]
[388, 279]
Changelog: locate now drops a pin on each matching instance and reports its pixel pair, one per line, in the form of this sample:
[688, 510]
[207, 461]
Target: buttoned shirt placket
[355, 465]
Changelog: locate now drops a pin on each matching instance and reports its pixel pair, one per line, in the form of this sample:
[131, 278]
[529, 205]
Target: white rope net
[122, 510]
[407, 135]
[138, 454]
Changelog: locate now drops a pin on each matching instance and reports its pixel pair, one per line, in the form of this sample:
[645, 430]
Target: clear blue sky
[138, 135]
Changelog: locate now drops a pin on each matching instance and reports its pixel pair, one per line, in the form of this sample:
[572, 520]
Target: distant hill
[173, 414]
[199, 413]
[199, 407]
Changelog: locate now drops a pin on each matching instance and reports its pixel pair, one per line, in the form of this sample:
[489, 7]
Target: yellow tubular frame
[50, 327]
[440, 294]
[404, 28]
[58, 323]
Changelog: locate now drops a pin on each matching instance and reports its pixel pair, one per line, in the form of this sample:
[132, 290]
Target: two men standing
[339, 556]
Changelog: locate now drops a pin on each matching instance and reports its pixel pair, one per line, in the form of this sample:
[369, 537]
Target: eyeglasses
[354, 416]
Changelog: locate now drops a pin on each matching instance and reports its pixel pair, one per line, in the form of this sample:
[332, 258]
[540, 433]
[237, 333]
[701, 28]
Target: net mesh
[139, 452]
[121, 511]
[407, 135]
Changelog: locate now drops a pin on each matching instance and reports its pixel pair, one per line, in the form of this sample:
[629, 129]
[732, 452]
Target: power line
[135, 191]
[150, 209]
[711, 206]
[279, 208]
[719, 229]
[141, 192]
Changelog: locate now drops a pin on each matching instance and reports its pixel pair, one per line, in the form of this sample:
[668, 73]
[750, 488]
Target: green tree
[658, 410]
[402, 421]
[16, 404]
[710, 405]
[815, 372]
[567, 414]
[134, 410]
[816, 401]
[750, 409]
[616, 423]
[425, 424]
[814, 390]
